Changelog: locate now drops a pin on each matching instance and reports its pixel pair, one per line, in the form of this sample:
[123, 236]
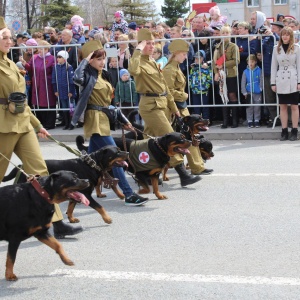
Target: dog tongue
[79, 197]
[185, 151]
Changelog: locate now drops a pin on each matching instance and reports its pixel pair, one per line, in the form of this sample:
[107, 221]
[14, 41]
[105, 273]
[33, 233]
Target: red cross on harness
[144, 157]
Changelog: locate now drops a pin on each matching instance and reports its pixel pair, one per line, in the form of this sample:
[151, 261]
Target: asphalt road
[233, 235]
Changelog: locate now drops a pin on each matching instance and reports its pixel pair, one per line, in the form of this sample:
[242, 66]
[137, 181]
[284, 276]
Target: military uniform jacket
[141, 157]
[12, 81]
[149, 79]
[285, 70]
[232, 55]
[176, 81]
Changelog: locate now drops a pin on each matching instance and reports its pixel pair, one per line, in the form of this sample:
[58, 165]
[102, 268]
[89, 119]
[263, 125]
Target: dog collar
[40, 190]
[160, 147]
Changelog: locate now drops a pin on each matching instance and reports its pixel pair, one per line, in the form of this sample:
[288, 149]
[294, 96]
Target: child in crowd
[77, 28]
[113, 70]
[200, 82]
[125, 93]
[63, 86]
[251, 87]
[159, 58]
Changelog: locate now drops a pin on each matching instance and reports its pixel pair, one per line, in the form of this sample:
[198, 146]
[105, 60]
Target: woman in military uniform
[176, 82]
[17, 130]
[156, 101]
[96, 95]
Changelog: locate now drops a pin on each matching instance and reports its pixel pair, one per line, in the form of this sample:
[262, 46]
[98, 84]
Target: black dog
[24, 212]
[206, 148]
[106, 158]
[160, 149]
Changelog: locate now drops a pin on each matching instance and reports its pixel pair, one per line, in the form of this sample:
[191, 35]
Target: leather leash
[33, 180]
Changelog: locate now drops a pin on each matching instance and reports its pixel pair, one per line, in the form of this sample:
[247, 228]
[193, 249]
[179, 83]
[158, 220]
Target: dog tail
[80, 143]
[12, 174]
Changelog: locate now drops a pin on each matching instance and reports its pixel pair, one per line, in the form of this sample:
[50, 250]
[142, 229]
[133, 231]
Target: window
[280, 2]
[254, 2]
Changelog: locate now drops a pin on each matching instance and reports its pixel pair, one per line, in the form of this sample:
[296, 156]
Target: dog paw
[74, 220]
[107, 220]
[11, 277]
[121, 196]
[101, 196]
[161, 197]
[67, 262]
[166, 178]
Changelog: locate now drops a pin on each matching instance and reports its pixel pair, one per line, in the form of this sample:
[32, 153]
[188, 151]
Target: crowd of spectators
[218, 62]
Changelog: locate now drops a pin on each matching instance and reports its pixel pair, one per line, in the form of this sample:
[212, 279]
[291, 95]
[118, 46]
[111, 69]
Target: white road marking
[197, 278]
[254, 174]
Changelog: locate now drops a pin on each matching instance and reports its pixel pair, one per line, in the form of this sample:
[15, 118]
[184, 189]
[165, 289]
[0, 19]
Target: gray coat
[285, 70]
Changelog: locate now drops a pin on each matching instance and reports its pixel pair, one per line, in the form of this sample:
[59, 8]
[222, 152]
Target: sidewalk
[214, 133]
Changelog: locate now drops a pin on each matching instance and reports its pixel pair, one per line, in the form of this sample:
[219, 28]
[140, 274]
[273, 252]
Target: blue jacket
[62, 80]
[268, 45]
[253, 80]
[243, 45]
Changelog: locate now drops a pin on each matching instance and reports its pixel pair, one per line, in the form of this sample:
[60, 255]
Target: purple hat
[31, 42]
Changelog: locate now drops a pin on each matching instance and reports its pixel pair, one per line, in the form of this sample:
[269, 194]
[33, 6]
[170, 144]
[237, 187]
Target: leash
[108, 181]
[32, 179]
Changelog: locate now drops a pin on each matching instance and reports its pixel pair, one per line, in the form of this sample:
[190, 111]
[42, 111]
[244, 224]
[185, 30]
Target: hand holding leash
[43, 133]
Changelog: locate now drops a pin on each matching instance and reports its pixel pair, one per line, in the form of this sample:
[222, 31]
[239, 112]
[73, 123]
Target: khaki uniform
[176, 82]
[154, 110]
[97, 121]
[232, 55]
[17, 130]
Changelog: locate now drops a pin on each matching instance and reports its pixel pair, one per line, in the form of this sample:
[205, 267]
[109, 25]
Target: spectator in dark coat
[63, 86]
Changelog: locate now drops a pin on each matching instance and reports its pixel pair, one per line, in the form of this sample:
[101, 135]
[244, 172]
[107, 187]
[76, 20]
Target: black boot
[294, 134]
[66, 119]
[235, 122]
[284, 134]
[185, 177]
[225, 117]
[62, 229]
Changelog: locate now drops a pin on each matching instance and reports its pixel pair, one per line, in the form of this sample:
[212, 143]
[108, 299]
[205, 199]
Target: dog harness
[141, 157]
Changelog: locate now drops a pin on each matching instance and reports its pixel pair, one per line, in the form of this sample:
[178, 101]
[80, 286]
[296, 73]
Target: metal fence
[112, 52]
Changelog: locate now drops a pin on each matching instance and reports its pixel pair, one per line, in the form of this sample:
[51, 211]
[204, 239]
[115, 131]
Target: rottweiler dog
[190, 125]
[148, 157]
[206, 148]
[105, 158]
[26, 210]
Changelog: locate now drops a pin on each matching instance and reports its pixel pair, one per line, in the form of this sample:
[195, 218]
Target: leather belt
[95, 107]
[155, 95]
[3, 101]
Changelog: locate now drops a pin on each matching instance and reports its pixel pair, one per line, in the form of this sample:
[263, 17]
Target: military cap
[278, 23]
[144, 34]
[179, 46]
[90, 47]
[2, 23]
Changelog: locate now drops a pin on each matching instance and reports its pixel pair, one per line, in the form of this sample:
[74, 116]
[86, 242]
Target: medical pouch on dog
[17, 103]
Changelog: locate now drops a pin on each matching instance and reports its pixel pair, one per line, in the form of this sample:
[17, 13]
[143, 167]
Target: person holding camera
[18, 127]
[257, 21]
